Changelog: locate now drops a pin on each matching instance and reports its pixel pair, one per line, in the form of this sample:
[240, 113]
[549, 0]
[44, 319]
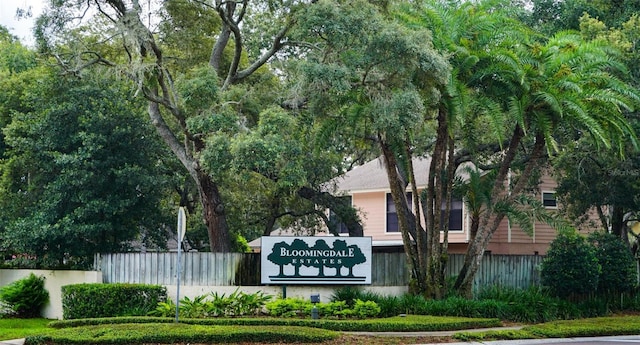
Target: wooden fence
[238, 269]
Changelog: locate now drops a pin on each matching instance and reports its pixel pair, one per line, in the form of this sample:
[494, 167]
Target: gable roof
[372, 176]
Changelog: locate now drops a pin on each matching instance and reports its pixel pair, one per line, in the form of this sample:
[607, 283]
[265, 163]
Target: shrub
[365, 309]
[571, 266]
[25, 297]
[213, 305]
[288, 307]
[337, 309]
[164, 309]
[193, 308]
[107, 300]
[388, 306]
[618, 272]
[172, 333]
[350, 294]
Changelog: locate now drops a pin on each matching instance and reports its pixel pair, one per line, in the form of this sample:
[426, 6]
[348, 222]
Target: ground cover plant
[131, 333]
[590, 327]
[238, 303]
[170, 333]
[409, 323]
[149, 330]
[532, 305]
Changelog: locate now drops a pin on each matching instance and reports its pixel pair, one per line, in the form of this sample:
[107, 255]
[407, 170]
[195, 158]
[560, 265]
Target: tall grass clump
[350, 294]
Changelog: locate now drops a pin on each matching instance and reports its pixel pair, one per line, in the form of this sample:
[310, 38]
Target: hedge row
[106, 300]
[172, 333]
[413, 323]
[602, 326]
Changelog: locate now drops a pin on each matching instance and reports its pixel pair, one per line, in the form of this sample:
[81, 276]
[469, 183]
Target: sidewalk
[12, 342]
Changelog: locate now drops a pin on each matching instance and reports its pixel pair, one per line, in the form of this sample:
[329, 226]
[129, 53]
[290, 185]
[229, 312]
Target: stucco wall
[301, 291]
[54, 281]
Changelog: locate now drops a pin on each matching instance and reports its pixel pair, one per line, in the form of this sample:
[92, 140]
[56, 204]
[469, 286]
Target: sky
[22, 27]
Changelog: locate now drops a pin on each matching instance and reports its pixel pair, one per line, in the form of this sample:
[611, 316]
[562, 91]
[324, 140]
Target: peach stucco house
[368, 188]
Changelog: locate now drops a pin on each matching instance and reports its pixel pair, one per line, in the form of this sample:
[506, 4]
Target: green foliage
[288, 307]
[601, 264]
[366, 309]
[104, 300]
[619, 273]
[193, 308]
[80, 174]
[350, 294]
[164, 309]
[170, 333]
[199, 90]
[337, 309]
[588, 327]
[14, 328]
[408, 323]
[238, 303]
[298, 307]
[531, 305]
[571, 266]
[25, 297]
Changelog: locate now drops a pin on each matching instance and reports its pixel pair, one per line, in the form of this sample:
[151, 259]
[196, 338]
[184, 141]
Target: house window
[455, 215]
[549, 200]
[333, 218]
[392, 215]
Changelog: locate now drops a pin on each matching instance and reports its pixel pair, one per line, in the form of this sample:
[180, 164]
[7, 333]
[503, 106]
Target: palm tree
[566, 84]
[468, 34]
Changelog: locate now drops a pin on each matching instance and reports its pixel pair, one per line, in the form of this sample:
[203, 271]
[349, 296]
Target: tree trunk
[406, 221]
[212, 206]
[214, 214]
[490, 220]
[437, 220]
[617, 223]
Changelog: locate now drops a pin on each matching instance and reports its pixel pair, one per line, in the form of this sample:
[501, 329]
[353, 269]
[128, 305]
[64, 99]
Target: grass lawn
[20, 328]
[166, 333]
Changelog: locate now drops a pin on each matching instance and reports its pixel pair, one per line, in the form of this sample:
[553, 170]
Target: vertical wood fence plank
[224, 269]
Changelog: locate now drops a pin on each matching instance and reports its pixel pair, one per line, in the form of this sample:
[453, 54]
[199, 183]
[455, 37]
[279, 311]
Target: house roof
[372, 176]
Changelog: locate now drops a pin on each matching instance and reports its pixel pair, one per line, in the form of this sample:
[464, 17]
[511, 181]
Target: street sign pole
[182, 228]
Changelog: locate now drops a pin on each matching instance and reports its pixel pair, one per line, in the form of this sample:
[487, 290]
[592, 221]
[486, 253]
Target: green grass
[171, 333]
[21, 328]
[16, 328]
[592, 327]
[126, 331]
[410, 323]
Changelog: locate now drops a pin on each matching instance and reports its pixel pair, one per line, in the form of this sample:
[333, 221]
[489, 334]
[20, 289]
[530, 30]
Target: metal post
[178, 288]
[182, 228]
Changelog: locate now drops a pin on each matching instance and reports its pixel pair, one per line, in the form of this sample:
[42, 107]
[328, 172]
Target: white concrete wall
[301, 291]
[54, 281]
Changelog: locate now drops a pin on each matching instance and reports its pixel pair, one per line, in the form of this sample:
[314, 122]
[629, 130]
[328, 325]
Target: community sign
[315, 260]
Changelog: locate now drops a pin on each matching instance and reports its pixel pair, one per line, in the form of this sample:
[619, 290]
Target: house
[368, 188]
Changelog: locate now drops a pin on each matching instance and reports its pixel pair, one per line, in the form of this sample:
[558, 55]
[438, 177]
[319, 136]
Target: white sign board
[315, 260]
[182, 225]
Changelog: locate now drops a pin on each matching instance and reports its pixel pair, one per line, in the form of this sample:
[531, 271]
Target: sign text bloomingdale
[315, 260]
